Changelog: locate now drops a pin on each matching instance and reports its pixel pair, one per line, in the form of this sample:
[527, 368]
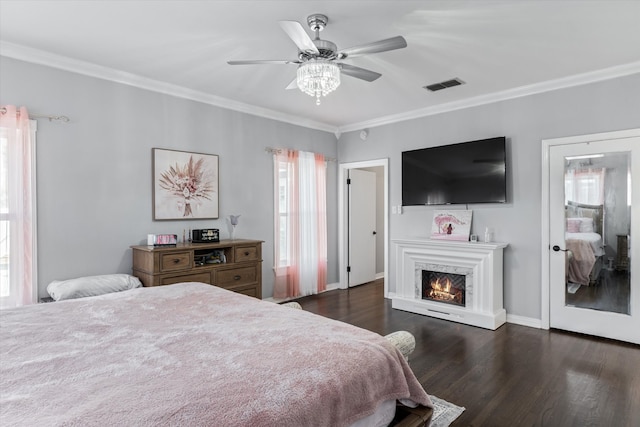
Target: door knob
[557, 248]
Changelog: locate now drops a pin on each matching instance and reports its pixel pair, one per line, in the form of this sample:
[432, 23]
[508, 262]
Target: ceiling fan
[319, 68]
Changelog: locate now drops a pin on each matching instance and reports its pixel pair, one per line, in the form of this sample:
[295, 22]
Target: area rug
[444, 413]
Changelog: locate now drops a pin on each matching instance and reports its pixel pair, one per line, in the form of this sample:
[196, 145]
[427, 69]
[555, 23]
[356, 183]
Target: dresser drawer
[204, 277]
[175, 261]
[235, 276]
[249, 290]
[246, 253]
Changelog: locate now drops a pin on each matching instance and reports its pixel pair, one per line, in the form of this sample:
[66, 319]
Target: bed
[584, 238]
[194, 354]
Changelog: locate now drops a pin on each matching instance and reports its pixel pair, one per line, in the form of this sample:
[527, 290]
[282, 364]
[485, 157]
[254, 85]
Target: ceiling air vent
[443, 85]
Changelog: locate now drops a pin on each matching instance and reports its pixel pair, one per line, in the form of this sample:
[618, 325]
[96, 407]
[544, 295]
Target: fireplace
[443, 287]
[452, 280]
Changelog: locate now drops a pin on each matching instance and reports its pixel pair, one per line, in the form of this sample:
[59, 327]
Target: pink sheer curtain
[18, 212]
[300, 224]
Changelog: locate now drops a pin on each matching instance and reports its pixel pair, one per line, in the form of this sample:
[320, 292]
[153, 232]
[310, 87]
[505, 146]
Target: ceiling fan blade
[393, 43]
[293, 84]
[262, 61]
[299, 36]
[359, 73]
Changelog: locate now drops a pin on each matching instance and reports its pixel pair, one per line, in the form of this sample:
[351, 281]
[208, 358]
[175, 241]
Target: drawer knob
[246, 253]
[237, 277]
[176, 260]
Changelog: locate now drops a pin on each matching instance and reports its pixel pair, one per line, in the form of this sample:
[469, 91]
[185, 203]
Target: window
[285, 171]
[18, 284]
[584, 186]
[300, 223]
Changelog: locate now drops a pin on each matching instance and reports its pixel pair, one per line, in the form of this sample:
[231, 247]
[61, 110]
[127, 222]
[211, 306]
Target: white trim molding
[40, 57]
[36, 56]
[518, 92]
[524, 321]
[343, 219]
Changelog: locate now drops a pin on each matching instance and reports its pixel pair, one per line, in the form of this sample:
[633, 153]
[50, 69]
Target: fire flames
[441, 290]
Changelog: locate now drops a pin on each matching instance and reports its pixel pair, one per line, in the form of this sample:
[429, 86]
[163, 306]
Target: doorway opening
[345, 217]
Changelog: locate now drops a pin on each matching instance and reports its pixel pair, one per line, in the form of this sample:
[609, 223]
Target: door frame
[545, 249]
[343, 218]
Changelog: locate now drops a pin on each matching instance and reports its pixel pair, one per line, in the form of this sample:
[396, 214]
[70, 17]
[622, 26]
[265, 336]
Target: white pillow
[91, 286]
[586, 225]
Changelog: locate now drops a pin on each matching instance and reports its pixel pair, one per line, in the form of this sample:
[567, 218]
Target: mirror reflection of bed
[597, 233]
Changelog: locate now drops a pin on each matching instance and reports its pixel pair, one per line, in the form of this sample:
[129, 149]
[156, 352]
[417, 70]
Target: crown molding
[550, 85]
[41, 57]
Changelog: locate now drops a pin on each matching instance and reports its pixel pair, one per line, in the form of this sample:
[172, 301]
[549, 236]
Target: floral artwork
[451, 225]
[185, 185]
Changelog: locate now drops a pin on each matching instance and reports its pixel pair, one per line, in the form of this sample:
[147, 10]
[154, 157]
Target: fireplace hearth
[442, 287]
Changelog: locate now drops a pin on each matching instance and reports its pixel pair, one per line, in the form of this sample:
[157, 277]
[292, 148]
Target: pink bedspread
[581, 261]
[191, 354]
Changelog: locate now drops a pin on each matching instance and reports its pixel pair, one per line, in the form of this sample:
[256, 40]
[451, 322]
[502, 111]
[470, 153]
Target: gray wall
[94, 173]
[526, 121]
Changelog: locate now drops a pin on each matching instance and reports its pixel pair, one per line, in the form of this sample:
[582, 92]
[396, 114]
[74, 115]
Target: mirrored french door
[594, 236]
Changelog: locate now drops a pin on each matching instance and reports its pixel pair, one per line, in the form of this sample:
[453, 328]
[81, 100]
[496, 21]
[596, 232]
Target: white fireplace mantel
[482, 265]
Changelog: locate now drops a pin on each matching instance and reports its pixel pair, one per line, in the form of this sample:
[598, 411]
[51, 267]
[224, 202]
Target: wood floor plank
[514, 376]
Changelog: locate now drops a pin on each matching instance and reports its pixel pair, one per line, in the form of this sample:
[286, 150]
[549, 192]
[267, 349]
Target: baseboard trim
[524, 321]
[380, 275]
[333, 286]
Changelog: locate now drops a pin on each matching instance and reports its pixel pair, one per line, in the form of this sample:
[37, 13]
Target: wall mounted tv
[468, 172]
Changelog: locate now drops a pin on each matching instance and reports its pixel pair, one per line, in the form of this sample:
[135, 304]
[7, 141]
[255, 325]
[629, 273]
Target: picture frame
[185, 185]
[451, 225]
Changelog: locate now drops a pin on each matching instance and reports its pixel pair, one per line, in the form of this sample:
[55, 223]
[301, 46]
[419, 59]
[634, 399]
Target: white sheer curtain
[584, 186]
[300, 224]
[18, 282]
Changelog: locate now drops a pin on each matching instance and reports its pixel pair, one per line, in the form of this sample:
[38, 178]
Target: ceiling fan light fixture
[318, 77]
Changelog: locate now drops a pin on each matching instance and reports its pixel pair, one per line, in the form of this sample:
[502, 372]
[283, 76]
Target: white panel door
[362, 227]
[605, 304]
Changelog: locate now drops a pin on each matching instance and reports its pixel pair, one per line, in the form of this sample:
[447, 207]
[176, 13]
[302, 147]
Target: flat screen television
[464, 173]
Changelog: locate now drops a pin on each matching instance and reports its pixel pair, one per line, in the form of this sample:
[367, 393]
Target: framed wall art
[185, 185]
[451, 225]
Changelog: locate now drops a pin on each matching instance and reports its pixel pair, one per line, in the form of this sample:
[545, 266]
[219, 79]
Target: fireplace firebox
[443, 287]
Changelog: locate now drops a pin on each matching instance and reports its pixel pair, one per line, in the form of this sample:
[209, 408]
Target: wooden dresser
[235, 265]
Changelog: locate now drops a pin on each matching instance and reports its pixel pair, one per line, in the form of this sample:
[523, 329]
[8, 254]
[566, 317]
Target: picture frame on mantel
[185, 185]
[451, 225]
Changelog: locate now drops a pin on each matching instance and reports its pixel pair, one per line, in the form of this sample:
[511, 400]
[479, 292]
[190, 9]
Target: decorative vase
[233, 219]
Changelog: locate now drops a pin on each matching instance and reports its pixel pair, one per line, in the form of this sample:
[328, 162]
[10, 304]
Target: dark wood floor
[612, 292]
[514, 376]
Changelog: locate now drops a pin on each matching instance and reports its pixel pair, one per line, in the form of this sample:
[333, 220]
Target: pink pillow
[573, 225]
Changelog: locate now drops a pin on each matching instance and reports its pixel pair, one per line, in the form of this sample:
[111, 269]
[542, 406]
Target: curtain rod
[279, 150]
[64, 119]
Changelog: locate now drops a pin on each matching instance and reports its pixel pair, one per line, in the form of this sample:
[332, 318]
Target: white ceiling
[501, 49]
